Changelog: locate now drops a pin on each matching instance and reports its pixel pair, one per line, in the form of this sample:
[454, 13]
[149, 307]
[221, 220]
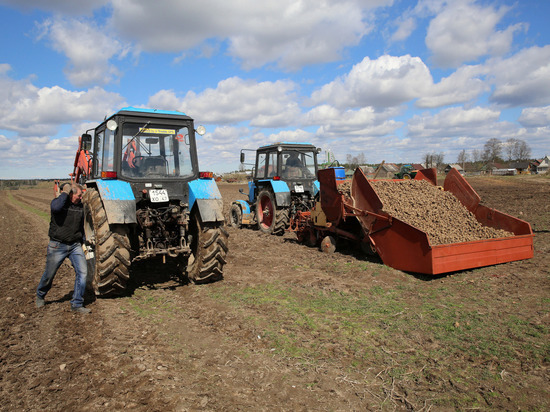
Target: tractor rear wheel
[270, 220]
[407, 176]
[208, 248]
[109, 268]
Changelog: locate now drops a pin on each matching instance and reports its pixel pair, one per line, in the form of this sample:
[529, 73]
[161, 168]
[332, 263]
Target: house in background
[454, 166]
[387, 171]
[540, 165]
[521, 167]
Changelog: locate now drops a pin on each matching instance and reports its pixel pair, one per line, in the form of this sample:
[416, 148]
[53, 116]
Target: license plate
[158, 196]
[299, 189]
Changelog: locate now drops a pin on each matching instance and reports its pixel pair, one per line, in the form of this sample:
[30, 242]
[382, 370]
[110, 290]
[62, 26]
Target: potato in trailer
[405, 247]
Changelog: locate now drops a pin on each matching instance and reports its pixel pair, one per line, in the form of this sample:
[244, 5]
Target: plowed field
[289, 328]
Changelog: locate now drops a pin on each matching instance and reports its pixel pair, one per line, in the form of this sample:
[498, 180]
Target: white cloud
[454, 121]
[404, 29]
[353, 124]
[523, 79]
[31, 111]
[57, 6]
[5, 143]
[384, 82]
[265, 104]
[289, 32]
[535, 117]
[461, 86]
[88, 48]
[464, 31]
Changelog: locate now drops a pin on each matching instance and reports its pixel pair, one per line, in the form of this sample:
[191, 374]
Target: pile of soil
[428, 208]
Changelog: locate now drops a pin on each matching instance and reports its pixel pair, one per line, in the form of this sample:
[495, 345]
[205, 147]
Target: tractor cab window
[261, 166]
[298, 164]
[272, 165]
[150, 151]
[105, 148]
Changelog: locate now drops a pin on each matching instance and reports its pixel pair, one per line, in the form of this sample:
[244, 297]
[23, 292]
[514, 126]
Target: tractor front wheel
[109, 268]
[235, 216]
[270, 220]
[208, 248]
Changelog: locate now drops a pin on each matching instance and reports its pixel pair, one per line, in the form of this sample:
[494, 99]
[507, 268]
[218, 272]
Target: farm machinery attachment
[145, 198]
[432, 231]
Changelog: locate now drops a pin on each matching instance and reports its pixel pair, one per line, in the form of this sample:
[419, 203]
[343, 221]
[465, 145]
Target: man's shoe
[40, 302]
[81, 309]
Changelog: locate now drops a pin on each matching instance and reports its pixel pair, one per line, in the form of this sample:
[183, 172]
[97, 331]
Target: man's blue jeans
[57, 252]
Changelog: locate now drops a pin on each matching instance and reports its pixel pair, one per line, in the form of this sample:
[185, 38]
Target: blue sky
[391, 79]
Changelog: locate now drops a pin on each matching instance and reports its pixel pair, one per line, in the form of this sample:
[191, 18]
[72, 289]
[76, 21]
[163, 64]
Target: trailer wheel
[235, 216]
[109, 268]
[328, 244]
[270, 220]
[208, 248]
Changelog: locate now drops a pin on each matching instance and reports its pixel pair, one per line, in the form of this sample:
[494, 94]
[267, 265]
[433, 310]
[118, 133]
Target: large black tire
[209, 248]
[109, 269]
[270, 219]
[235, 216]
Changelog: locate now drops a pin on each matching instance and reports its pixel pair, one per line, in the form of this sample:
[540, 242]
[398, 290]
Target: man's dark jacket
[67, 221]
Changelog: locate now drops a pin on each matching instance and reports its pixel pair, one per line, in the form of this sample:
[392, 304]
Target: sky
[392, 80]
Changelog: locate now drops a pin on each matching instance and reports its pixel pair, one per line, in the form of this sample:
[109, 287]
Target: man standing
[66, 235]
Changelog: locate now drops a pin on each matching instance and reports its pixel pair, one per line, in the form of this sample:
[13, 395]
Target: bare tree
[462, 158]
[354, 162]
[428, 160]
[433, 159]
[517, 149]
[492, 150]
[522, 151]
[476, 156]
[438, 159]
[510, 147]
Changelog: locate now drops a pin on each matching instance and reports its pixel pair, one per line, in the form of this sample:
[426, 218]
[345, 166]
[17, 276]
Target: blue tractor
[284, 181]
[145, 198]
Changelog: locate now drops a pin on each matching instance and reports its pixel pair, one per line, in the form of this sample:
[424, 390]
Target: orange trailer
[400, 245]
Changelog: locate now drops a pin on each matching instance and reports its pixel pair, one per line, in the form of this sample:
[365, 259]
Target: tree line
[497, 151]
[16, 184]
[494, 150]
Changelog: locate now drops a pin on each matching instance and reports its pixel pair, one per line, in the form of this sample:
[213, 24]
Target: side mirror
[242, 157]
[86, 141]
[318, 150]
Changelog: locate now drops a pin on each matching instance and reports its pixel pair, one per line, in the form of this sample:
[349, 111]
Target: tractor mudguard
[247, 217]
[118, 200]
[280, 189]
[207, 196]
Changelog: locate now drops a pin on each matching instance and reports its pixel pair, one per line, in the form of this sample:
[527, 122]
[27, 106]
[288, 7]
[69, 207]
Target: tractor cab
[294, 164]
[146, 147]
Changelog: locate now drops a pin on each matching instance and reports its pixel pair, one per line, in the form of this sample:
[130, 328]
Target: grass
[379, 323]
[409, 335]
[147, 305]
[40, 213]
